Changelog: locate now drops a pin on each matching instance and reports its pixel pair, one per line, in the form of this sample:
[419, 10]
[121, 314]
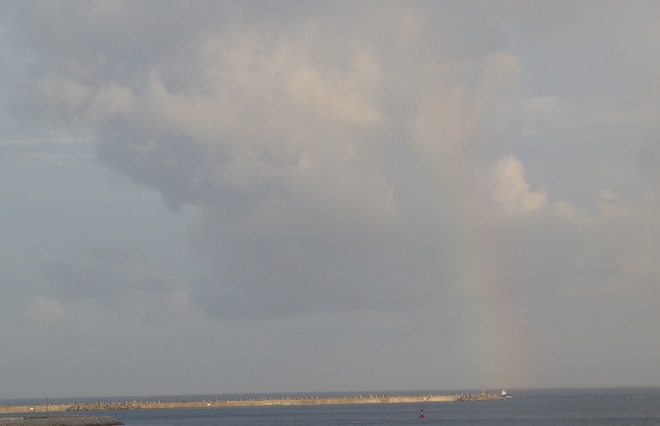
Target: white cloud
[510, 190]
[47, 312]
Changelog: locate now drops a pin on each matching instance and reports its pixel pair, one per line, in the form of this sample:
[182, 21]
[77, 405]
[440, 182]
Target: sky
[209, 197]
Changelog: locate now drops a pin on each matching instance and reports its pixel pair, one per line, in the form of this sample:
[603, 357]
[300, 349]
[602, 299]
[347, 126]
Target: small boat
[505, 394]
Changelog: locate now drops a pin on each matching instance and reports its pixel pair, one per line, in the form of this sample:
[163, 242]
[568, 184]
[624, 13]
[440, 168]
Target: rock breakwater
[338, 400]
[60, 421]
[479, 397]
[105, 406]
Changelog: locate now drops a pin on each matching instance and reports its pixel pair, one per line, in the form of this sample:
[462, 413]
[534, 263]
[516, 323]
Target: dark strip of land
[60, 421]
[140, 405]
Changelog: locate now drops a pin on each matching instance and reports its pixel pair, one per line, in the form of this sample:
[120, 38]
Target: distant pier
[263, 402]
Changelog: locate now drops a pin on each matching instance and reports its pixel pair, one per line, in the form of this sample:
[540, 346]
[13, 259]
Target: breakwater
[263, 402]
[60, 421]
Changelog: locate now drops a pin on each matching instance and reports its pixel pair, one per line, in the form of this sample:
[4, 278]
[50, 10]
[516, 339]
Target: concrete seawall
[265, 402]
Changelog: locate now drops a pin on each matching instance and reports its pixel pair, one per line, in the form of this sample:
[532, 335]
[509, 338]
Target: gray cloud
[390, 164]
[648, 159]
[293, 155]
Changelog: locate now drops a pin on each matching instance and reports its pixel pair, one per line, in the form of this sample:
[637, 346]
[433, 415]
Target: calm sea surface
[626, 406]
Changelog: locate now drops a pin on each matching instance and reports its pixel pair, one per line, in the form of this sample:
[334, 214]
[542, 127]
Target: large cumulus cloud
[328, 163]
[360, 159]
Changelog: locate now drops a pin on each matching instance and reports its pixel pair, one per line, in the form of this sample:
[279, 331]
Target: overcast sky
[215, 197]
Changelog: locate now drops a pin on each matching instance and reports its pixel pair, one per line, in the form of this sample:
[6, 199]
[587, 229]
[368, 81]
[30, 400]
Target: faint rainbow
[485, 268]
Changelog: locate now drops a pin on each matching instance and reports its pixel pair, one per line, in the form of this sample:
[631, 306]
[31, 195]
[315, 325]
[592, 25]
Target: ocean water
[621, 406]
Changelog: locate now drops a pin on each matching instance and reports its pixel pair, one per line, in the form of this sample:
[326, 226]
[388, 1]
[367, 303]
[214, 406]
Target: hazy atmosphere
[217, 197]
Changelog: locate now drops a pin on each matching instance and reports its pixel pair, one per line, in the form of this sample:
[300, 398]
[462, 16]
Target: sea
[543, 407]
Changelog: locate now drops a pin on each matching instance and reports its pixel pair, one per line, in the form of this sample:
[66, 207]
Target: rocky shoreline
[60, 421]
